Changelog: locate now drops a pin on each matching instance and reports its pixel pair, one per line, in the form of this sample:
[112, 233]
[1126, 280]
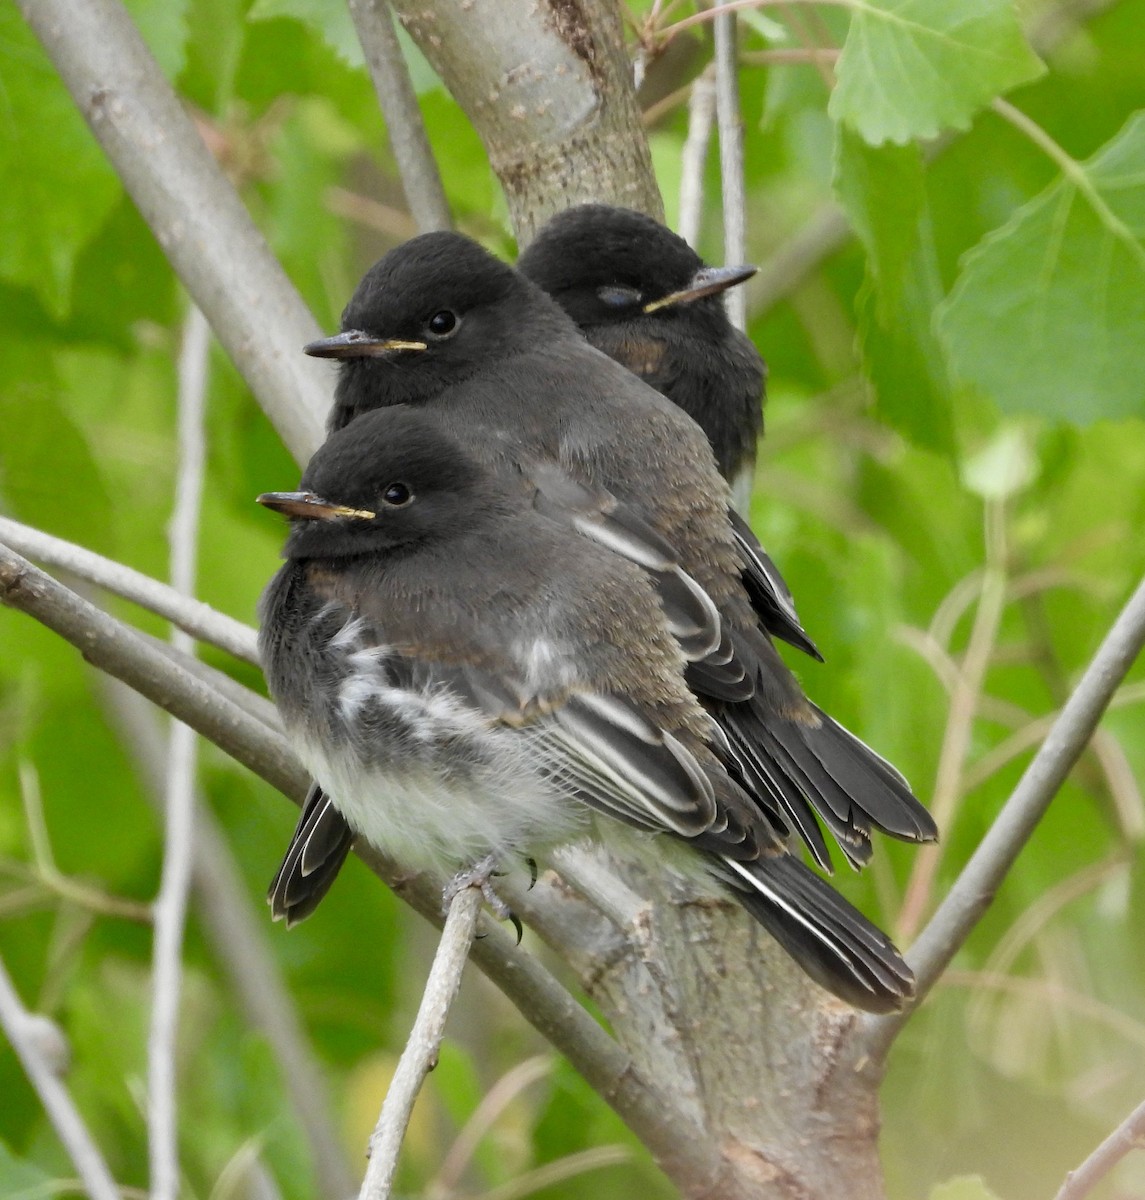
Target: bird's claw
[479, 876]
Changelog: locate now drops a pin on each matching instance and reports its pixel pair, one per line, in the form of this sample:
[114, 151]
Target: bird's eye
[397, 495]
[443, 324]
[613, 296]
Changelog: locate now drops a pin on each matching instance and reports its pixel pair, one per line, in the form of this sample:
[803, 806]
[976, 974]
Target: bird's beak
[357, 343]
[310, 507]
[707, 281]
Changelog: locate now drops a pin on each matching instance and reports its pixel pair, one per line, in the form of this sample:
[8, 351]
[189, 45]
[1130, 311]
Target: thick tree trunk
[547, 86]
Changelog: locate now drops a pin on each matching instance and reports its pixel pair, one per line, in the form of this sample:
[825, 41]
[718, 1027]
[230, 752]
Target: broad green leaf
[1047, 316]
[56, 185]
[329, 18]
[901, 354]
[911, 68]
[881, 190]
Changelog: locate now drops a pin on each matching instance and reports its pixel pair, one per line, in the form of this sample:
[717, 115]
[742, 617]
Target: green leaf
[881, 191]
[330, 18]
[963, 1187]
[20, 1178]
[163, 24]
[56, 185]
[1048, 312]
[911, 68]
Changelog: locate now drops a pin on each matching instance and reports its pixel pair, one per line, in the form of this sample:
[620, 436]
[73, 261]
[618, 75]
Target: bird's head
[604, 265]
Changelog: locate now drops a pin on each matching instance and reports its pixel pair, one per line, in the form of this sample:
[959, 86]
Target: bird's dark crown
[592, 246]
[364, 469]
[498, 313]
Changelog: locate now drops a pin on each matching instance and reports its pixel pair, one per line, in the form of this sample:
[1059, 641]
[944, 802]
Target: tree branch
[548, 88]
[731, 160]
[974, 889]
[192, 209]
[170, 908]
[120, 651]
[424, 1043]
[26, 1031]
[193, 616]
[421, 181]
[1129, 1135]
[238, 935]
[694, 156]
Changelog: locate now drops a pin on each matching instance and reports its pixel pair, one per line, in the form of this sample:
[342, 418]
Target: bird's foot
[479, 876]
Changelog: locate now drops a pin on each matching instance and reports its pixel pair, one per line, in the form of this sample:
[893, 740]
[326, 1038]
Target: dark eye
[443, 323]
[614, 296]
[397, 495]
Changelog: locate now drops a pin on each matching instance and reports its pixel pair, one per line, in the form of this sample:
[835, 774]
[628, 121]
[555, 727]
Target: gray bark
[548, 87]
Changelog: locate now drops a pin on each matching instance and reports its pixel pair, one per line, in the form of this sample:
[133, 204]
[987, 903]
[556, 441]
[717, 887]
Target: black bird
[641, 294]
[472, 680]
[441, 324]
[645, 298]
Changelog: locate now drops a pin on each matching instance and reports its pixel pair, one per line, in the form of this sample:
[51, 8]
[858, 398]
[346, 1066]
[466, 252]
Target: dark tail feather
[832, 941]
[874, 785]
[317, 850]
[770, 596]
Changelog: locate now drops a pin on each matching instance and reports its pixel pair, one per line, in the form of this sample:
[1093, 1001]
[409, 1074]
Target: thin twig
[196, 618]
[964, 704]
[421, 180]
[732, 182]
[974, 889]
[1046, 991]
[194, 212]
[239, 937]
[1129, 1135]
[421, 1050]
[694, 155]
[557, 1171]
[45, 871]
[492, 1105]
[23, 1030]
[170, 908]
[124, 653]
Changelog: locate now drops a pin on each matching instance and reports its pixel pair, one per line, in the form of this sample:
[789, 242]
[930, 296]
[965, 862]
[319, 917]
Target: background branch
[975, 887]
[1129, 1135]
[421, 181]
[240, 939]
[170, 908]
[196, 618]
[26, 1033]
[192, 209]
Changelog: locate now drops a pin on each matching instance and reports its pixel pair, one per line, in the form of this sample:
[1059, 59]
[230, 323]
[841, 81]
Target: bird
[640, 294]
[471, 680]
[441, 324]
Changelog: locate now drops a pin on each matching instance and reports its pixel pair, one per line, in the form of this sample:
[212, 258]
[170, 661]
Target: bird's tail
[317, 850]
[829, 939]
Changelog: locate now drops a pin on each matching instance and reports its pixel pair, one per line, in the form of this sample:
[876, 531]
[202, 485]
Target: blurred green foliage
[956, 393]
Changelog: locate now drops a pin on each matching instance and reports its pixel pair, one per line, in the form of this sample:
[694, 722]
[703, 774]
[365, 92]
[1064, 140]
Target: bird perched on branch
[443, 326]
[644, 297]
[471, 679]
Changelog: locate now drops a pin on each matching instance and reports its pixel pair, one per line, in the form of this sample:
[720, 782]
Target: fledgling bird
[471, 681]
[442, 325]
[641, 294]
[644, 297]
